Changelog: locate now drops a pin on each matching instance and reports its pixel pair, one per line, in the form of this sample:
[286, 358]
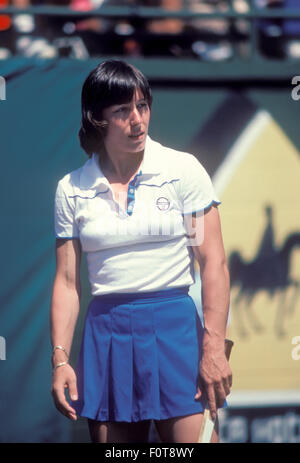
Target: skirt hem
[150, 416]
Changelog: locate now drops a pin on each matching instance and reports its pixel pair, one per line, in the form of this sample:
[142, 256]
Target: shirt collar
[92, 175]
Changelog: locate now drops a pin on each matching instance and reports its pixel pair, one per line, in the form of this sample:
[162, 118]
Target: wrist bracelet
[61, 348]
[59, 365]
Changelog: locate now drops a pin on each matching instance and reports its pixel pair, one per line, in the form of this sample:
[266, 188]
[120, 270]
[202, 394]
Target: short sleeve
[196, 188]
[64, 218]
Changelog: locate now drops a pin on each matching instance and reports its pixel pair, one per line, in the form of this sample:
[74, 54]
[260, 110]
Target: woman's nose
[135, 117]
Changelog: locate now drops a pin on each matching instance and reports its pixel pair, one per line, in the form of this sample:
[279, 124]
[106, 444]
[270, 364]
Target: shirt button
[131, 190]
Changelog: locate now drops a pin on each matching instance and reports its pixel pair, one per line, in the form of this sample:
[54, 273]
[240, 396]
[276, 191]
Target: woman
[141, 212]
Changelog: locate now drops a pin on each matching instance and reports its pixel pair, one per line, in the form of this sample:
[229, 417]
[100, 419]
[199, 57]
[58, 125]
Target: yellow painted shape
[268, 175]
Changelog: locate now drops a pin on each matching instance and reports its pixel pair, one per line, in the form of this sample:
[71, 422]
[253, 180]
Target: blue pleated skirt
[139, 357]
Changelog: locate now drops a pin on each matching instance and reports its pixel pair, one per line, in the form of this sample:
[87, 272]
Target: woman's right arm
[63, 317]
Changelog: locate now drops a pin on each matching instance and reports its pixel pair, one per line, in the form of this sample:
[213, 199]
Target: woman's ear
[101, 124]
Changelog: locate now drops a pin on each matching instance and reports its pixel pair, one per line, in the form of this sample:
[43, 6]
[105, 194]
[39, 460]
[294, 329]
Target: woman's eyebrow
[128, 103]
[120, 105]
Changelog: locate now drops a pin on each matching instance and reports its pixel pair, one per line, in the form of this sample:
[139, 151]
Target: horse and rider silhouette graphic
[269, 271]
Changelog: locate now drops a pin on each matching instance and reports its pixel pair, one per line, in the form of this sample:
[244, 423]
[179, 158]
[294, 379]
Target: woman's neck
[120, 167]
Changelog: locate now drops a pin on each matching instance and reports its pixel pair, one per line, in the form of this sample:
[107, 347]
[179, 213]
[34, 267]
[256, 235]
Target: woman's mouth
[137, 136]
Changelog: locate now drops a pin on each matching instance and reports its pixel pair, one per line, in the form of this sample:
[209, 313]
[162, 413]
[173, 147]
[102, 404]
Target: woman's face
[127, 125]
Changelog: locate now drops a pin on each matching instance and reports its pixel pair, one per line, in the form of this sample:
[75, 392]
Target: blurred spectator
[270, 32]
[169, 25]
[291, 31]
[5, 21]
[29, 37]
[5, 32]
[215, 25]
[279, 37]
[93, 24]
[165, 36]
[242, 6]
[19, 26]
[136, 36]
[213, 42]
[242, 28]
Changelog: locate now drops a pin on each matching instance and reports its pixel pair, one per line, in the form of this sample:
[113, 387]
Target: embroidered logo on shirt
[162, 203]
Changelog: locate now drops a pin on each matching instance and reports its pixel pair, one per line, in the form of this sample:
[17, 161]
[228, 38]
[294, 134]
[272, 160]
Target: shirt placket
[131, 194]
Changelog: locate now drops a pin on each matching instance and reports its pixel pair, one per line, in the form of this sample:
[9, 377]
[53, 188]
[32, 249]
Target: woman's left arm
[206, 240]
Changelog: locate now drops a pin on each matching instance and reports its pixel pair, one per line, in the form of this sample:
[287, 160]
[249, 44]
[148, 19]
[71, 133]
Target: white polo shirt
[144, 248]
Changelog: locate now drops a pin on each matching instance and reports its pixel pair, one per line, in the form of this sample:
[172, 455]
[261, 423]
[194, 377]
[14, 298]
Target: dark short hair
[111, 82]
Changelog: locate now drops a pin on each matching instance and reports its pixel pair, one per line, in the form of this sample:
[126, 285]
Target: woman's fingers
[73, 389]
[227, 386]
[216, 396]
[220, 393]
[60, 401]
[198, 393]
[215, 390]
[230, 380]
[58, 393]
[211, 398]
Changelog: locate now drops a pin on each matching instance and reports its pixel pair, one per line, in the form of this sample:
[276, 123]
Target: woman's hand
[214, 379]
[64, 377]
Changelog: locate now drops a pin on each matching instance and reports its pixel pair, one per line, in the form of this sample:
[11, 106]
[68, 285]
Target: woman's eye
[143, 105]
[122, 109]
